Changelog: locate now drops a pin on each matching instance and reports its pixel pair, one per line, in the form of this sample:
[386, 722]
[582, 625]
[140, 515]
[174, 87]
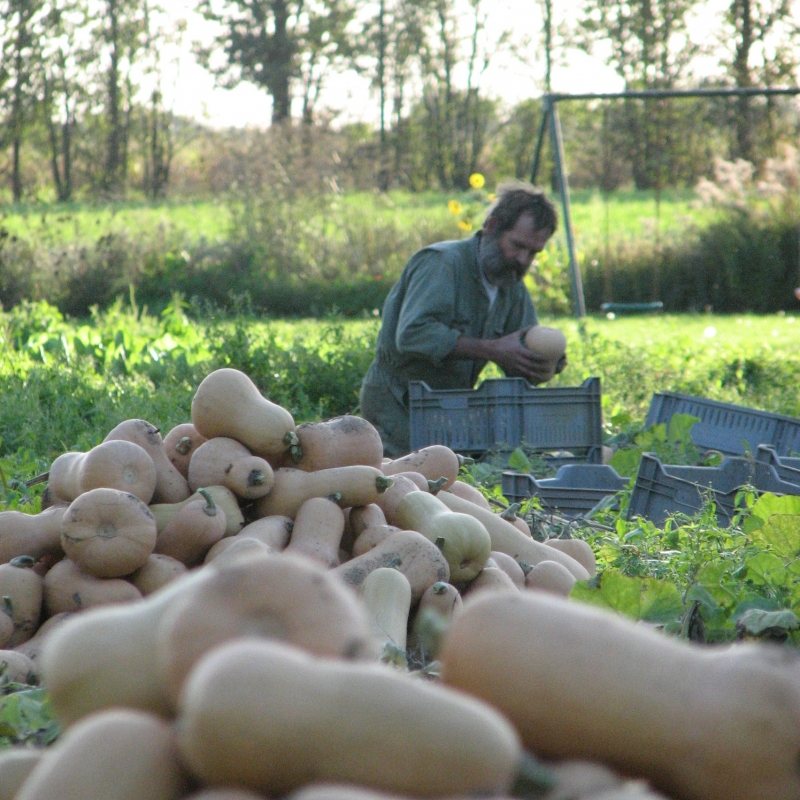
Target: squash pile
[245, 609]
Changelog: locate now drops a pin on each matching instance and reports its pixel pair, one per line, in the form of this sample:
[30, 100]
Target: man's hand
[509, 353]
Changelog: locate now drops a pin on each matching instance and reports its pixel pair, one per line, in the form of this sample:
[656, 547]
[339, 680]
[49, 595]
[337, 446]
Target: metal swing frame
[551, 122]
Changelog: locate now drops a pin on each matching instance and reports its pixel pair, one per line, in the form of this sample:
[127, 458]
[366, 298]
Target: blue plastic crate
[660, 490]
[575, 490]
[731, 429]
[787, 469]
[504, 413]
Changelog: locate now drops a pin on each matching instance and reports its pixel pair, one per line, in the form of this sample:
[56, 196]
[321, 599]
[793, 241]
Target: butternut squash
[223, 498]
[549, 576]
[33, 535]
[372, 537]
[512, 568]
[228, 403]
[409, 552]
[434, 462]
[286, 704]
[508, 539]
[468, 492]
[358, 486]
[317, 531]
[339, 442]
[222, 461]
[68, 588]
[390, 499]
[225, 794]
[6, 629]
[698, 722]
[386, 594]
[16, 763]
[21, 593]
[236, 548]
[17, 668]
[491, 579]
[193, 530]
[443, 598]
[463, 540]
[33, 646]
[578, 549]
[108, 533]
[116, 464]
[277, 596]
[511, 514]
[360, 518]
[171, 486]
[179, 444]
[157, 571]
[117, 755]
[107, 656]
[272, 532]
[548, 343]
[346, 791]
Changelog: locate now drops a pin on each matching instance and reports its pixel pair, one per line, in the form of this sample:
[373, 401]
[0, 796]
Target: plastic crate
[575, 490]
[503, 413]
[787, 469]
[663, 490]
[731, 429]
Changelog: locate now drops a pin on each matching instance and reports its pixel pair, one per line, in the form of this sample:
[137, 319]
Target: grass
[630, 214]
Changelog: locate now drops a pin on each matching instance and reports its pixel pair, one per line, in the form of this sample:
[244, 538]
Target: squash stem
[257, 477]
[184, 445]
[22, 561]
[382, 483]
[512, 512]
[434, 487]
[533, 779]
[210, 507]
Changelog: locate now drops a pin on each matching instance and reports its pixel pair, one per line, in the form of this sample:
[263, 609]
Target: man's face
[506, 257]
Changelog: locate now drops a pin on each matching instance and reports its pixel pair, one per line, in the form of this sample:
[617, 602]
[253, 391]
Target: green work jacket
[439, 297]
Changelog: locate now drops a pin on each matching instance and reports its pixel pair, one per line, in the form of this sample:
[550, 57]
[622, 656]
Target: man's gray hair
[516, 198]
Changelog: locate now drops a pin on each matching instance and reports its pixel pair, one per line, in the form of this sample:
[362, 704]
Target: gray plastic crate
[575, 489]
[787, 469]
[731, 429]
[503, 413]
[662, 490]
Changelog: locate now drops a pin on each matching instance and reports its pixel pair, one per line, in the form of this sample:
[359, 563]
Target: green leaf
[519, 462]
[780, 534]
[680, 427]
[757, 622]
[766, 568]
[626, 462]
[647, 599]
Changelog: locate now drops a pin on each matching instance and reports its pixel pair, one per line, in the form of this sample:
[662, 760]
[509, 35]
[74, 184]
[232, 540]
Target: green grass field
[623, 216]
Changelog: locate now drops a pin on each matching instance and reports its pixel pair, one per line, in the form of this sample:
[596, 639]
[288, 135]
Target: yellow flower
[465, 225]
[476, 180]
[454, 206]
[491, 197]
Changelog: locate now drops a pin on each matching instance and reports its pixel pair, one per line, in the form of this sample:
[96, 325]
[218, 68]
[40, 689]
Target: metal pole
[558, 154]
[547, 107]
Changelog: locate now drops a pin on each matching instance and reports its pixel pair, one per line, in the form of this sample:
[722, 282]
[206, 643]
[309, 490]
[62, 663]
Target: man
[456, 306]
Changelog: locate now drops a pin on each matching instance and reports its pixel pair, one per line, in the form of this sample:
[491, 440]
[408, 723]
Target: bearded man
[456, 306]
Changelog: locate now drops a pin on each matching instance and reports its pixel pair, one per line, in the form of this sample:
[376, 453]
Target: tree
[63, 65]
[390, 45]
[760, 41]
[457, 117]
[277, 43]
[650, 49]
[19, 56]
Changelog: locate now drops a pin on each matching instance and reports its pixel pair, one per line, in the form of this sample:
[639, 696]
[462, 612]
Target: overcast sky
[194, 94]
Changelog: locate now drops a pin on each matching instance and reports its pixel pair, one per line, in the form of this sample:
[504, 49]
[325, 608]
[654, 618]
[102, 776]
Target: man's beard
[496, 268]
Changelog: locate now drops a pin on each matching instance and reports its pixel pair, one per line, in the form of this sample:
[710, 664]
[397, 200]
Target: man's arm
[508, 352]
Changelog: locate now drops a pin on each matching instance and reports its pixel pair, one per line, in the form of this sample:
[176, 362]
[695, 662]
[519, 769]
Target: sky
[193, 93]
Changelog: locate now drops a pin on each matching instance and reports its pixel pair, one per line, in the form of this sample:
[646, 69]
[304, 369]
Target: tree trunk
[741, 11]
[279, 88]
[111, 179]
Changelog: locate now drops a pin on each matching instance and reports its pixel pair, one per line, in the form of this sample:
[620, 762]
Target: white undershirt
[491, 290]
